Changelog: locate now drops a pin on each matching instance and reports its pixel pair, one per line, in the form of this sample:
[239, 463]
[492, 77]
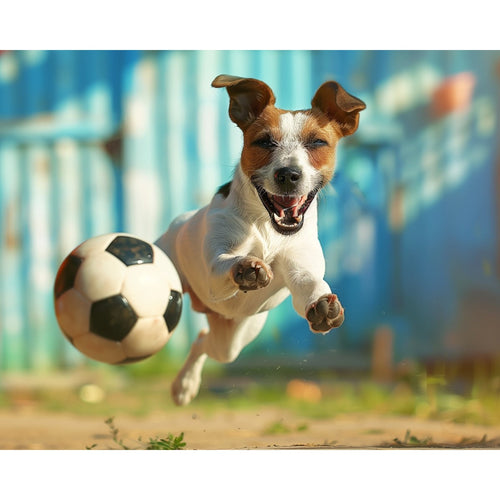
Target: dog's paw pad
[251, 274]
[326, 313]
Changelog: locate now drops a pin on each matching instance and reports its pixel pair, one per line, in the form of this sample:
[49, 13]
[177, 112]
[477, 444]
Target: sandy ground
[233, 430]
[26, 425]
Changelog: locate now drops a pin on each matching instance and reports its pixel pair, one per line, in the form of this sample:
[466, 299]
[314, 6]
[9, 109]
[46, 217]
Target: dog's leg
[187, 383]
[313, 300]
[311, 295]
[222, 342]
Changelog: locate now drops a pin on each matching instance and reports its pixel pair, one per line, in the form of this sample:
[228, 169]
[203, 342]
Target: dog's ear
[338, 105]
[248, 98]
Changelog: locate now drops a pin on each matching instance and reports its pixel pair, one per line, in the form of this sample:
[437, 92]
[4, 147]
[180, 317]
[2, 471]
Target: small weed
[171, 442]
[465, 442]
[411, 441]
[110, 422]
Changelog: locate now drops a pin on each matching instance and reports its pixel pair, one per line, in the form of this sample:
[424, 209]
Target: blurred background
[102, 141]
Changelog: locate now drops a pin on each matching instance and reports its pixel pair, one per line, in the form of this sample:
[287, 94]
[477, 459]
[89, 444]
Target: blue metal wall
[409, 225]
[57, 185]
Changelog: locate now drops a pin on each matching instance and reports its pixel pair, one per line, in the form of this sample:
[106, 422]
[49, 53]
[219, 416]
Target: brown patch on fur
[319, 126]
[254, 157]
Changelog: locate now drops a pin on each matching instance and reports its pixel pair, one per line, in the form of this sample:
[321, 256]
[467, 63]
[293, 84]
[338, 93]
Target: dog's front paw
[326, 313]
[251, 273]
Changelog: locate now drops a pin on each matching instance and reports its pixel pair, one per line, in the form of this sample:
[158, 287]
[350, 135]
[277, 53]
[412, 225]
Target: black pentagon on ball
[66, 274]
[173, 310]
[131, 251]
[112, 318]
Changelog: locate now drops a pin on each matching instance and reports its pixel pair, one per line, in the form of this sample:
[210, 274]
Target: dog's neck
[245, 198]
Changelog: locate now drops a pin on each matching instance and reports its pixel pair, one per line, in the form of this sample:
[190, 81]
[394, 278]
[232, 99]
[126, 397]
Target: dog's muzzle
[287, 208]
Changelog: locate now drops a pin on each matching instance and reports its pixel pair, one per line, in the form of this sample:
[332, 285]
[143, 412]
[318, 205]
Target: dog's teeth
[282, 221]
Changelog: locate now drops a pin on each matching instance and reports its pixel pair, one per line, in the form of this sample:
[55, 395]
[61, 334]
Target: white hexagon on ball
[100, 349]
[100, 275]
[73, 313]
[146, 277]
[147, 334]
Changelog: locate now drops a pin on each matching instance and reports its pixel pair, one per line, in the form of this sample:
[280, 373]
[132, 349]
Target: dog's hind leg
[187, 383]
[222, 342]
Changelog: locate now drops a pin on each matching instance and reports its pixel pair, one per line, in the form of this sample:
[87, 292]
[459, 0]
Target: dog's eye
[266, 142]
[316, 143]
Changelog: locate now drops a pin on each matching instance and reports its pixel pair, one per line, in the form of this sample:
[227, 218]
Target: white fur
[205, 245]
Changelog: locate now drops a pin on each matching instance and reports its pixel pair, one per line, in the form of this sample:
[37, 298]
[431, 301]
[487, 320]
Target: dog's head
[289, 155]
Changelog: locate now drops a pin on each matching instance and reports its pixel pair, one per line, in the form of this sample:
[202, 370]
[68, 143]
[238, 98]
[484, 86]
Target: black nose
[287, 178]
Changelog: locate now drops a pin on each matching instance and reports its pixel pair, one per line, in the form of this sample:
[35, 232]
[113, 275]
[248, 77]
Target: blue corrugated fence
[100, 141]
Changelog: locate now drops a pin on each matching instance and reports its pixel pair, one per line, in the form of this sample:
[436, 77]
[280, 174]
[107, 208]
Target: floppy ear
[338, 105]
[248, 98]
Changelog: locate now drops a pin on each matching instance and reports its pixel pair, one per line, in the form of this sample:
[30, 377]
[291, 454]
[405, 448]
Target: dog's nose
[287, 177]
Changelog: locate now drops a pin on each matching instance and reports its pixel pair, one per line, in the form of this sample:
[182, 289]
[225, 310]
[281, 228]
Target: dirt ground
[234, 430]
[27, 424]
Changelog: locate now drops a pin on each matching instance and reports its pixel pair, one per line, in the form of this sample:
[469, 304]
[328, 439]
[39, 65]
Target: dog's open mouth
[286, 211]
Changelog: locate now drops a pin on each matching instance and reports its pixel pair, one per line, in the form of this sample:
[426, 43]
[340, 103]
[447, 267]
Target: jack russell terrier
[257, 240]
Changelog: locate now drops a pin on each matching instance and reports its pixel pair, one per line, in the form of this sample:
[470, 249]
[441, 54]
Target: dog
[256, 242]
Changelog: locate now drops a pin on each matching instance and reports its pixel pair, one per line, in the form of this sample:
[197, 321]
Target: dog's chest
[266, 244]
[271, 251]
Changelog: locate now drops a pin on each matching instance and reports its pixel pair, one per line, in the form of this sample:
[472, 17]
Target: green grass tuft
[170, 442]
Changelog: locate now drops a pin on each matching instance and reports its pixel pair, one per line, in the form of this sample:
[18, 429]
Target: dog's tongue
[286, 201]
[288, 204]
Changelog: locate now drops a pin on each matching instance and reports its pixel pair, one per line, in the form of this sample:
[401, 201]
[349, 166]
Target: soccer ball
[117, 298]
